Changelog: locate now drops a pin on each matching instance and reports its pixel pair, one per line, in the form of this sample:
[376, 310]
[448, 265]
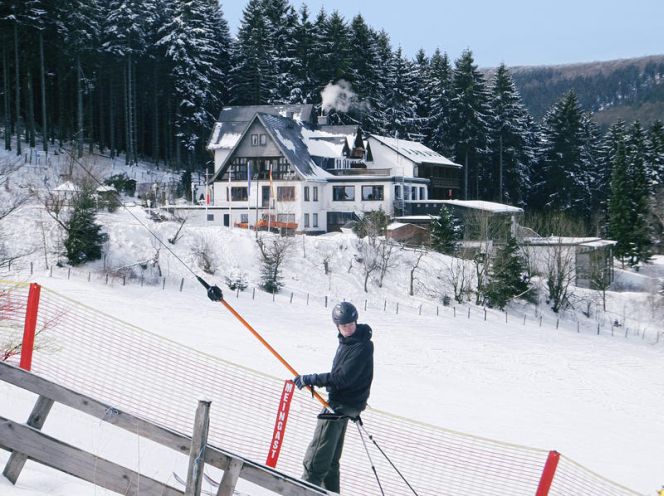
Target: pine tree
[305, 82]
[639, 196]
[439, 89]
[507, 276]
[191, 48]
[446, 231]
[84, 237]
[612, 140]
[560, 175]
[619, 207]
[400, 100]
[470, 123]
[254, 73]
[512, 150]
[655, 155]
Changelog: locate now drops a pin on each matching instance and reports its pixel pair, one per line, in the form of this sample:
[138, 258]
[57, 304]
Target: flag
[271, 185]
[248, 178]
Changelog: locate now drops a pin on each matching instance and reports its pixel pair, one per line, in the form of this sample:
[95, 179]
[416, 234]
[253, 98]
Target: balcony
[359, 172]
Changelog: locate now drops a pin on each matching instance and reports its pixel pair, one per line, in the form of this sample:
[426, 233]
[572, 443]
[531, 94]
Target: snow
[597, 399]
[484, 205]
[417, 152]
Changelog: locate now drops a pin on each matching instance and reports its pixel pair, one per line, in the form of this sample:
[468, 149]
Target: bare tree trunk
[79, 107]
[18, 91]
[111, 115]
[91, 122]
[155, 95]
[126, 117]
[7, 89]
[101, 118]
[42, 76]
[30, 110]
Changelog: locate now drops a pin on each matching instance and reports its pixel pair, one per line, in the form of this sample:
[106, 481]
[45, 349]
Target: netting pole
[548, 473]
[30, 327]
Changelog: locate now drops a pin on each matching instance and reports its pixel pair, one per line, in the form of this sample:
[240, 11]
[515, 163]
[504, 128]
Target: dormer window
[258, 140]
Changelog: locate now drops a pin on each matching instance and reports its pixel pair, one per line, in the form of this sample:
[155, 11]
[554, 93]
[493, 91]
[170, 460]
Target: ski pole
[215, 294]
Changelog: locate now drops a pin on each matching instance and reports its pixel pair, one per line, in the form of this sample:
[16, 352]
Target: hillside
[628, 89]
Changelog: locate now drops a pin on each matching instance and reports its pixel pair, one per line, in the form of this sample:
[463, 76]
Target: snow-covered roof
[414, 151]
[224, 135]
[484, 205]
[67, 186]
[245, 113]
[105, 188]
[395, 225]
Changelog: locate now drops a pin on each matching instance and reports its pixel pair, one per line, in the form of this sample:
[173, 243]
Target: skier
[348, 385]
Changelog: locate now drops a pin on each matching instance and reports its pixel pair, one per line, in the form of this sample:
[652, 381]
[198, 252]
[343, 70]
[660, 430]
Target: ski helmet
[344, 313]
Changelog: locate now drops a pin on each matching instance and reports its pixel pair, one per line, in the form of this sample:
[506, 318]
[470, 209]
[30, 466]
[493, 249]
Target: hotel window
[263, 140]
[285, 193]
[254, 140]
[315, 193]
[306, 220]
[343, 193]
[306, 193]
[244, 218]
[315, 220]
[372, 193]
[239, 194]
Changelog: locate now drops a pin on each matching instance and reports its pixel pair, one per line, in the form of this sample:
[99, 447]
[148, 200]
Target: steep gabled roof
[414, 151]
[301, 112]
[287, 136]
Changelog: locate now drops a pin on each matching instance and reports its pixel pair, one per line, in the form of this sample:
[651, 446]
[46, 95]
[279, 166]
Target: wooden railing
[27, 442]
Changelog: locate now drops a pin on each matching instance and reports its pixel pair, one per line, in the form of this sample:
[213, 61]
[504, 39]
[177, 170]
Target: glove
[305, 380]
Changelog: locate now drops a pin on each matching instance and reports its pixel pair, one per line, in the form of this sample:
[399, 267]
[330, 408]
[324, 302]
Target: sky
[516, 32]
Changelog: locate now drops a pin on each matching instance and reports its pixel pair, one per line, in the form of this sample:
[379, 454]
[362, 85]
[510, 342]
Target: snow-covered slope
[597, 399]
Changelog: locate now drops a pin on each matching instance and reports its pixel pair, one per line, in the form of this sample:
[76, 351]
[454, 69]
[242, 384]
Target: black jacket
[349, 381]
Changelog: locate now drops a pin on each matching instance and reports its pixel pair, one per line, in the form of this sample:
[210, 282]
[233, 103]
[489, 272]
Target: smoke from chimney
[338, 96]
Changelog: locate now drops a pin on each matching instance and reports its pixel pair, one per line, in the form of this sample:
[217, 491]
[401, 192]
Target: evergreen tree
[281, 26]
[400, 99]
[560, 178]
[446, 231]
[254, 73]
[619, 207]
[333, 49]
[639, 196]
[470, 123]
[655, 155]
[191, 48]
[508, 275]
[439, 90]
[305, 82]
[512, 150]
[608, 149]
[84, 237]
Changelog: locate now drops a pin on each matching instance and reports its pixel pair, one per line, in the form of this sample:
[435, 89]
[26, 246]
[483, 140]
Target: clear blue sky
[517, 32]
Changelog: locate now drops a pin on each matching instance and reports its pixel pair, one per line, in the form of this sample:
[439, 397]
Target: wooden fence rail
[28, 441]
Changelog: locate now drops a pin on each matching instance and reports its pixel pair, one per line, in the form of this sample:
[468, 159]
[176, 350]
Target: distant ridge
[629, 89]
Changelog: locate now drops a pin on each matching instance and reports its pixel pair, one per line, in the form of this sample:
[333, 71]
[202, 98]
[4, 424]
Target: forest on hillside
[146, 78]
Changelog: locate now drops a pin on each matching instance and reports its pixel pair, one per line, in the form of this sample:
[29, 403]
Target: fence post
[197, 451]
[540, 321]
[454, 308]
[578, 327]
[181, 284]
[106, 277]
[506, 316]
[397, 308]
[124, 280]
[29, 327]
[436, 310]
[547, 474]
[253, 294]
[237, 293]
[68, 273]
[50, 272]
[291, 297]
[273, 295]
[420, 312]
[163, 284]
[88, 276]
[30, 268]
[524, 319]
[468, 311]
[365, 305]
[325, 301]
[385, 306]
[557, 323]
[484, 313]
[308, 299]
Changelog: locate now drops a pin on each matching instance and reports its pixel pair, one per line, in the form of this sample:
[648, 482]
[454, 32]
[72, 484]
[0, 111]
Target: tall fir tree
[512, 152]
[439, 90]
[191, 48]
[619, 204]
[608, 149]
[253, 74]
[641, 241]
[470, 123]
[305, 82]
[655, 155]
[400, 99]
[560, 178]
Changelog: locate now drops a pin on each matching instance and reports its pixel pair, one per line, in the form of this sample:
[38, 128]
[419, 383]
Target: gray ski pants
[321, 461]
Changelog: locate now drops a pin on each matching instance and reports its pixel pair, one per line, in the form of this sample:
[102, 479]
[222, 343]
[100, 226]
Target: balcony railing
[359, 172]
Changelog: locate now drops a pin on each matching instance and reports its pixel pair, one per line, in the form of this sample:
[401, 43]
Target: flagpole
[269, 202]
[230, 216]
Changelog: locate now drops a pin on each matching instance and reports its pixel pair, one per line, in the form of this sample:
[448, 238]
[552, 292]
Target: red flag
[280, 424]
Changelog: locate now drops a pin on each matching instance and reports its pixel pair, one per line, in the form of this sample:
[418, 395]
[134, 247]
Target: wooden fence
[26, 441]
